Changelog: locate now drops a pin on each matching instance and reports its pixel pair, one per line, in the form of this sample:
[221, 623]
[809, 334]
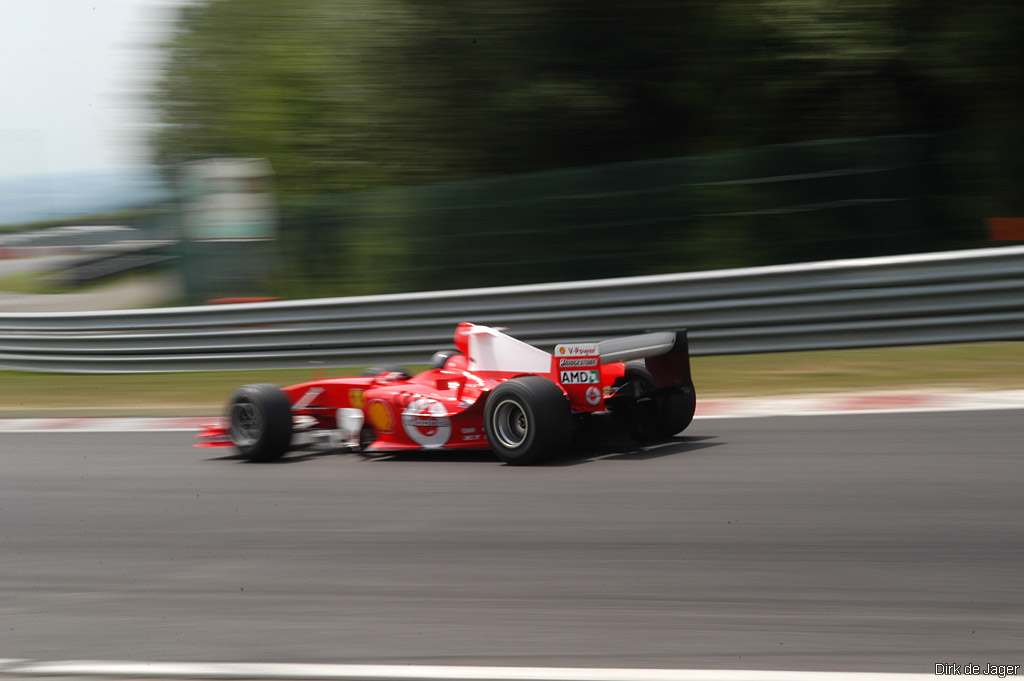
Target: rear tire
[527, 419]
[676, 412]
[657, 417]
[260, 422]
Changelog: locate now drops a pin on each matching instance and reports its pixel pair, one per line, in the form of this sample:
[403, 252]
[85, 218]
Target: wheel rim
[246, 423]
[510, 423]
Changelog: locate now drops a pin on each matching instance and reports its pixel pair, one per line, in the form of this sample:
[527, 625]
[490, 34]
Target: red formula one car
[492, 391]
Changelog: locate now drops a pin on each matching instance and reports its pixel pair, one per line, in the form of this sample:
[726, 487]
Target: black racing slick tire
[657, 417]
[676, 412]
[527, 420]
[260, 422]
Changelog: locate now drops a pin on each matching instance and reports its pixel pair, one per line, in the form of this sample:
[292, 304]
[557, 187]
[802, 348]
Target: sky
[72, 78]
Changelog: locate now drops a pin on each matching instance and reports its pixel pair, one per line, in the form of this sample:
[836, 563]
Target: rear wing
[578, 366]
[666, 354]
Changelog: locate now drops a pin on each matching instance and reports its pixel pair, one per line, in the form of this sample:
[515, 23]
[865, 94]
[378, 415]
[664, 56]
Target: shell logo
[380, 416]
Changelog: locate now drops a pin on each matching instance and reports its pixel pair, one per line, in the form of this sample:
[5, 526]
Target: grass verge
[26, 282]
[41, 282]
[975, 366]
[990, 366]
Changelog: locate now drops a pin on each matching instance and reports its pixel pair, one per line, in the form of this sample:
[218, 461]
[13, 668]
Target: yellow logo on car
[381, 417]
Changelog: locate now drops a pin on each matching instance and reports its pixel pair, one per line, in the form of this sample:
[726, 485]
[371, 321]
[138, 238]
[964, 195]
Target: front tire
[527, 419]
[260, 422]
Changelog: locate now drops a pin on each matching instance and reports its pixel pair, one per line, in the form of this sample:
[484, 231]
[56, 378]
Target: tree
[371, 94]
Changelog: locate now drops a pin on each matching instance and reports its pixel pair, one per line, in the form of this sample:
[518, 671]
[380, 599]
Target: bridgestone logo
[577, 377]
[579, 363]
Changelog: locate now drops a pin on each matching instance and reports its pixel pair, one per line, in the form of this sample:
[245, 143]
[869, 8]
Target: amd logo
[577, 377]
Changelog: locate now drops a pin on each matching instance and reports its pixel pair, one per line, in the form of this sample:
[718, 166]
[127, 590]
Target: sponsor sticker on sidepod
[426, 423]
[380, 416]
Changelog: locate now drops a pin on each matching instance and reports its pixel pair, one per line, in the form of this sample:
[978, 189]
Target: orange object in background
[1006, 229]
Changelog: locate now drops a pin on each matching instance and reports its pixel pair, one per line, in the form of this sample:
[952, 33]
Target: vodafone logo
[426, 422]
[593, 396]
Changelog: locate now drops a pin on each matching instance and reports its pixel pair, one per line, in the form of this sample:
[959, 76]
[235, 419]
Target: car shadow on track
[632, 451]
[576, 455]
[312, 453]
[605, 444]
[295, 456]
[439, 456]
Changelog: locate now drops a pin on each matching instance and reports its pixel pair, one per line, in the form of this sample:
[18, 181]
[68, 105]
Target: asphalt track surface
[857, 542]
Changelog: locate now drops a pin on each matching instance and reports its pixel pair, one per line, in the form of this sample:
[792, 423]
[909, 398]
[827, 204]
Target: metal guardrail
[961, 296]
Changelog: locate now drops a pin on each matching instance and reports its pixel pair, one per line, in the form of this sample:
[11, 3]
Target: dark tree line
[369, 94]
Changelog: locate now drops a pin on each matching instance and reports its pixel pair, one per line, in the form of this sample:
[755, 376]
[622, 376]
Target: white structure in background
[229, 199]
[229, 219]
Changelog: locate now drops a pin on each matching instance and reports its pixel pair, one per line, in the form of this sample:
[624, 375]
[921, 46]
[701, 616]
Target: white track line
[343, 672]
[860, 403]
[105, 424]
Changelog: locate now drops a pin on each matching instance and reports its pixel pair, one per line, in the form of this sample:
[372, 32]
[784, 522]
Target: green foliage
[366, 95]
[857, 197]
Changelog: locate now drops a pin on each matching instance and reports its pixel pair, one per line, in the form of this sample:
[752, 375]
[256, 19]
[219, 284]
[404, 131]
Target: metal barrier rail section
[950, 297]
